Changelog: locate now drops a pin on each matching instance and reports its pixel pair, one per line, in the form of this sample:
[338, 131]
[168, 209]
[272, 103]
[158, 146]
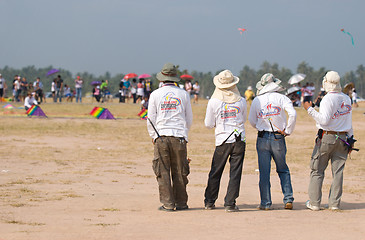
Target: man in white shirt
[227, 112]
[29, 101]
[334, 121]
[17, 89]
[268, 117]
[169, 119]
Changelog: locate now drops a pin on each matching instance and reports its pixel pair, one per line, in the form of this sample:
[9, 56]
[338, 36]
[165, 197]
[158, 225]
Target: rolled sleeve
[252, 118]
[322, 117]
[292, 114]
[152, 113]
[209, 116]
[189, 113]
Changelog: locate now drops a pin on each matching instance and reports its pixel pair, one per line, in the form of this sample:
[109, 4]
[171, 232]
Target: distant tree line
[248, 77]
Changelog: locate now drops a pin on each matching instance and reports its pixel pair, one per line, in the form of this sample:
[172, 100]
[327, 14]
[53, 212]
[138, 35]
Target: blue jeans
[272, 145]
[58, 95]
[78, 94]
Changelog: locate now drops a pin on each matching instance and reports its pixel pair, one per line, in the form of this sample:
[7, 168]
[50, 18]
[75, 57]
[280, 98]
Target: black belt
[261, 133]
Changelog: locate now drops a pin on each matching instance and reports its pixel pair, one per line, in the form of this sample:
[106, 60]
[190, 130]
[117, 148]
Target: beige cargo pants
[329, 148]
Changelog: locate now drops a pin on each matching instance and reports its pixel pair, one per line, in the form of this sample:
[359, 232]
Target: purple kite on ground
[101, 113]
[106, 115]
[35, 111]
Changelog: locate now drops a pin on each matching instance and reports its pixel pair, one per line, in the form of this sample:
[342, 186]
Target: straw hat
[331, 82]
[225, 79]
[269, 83]
[168, 73]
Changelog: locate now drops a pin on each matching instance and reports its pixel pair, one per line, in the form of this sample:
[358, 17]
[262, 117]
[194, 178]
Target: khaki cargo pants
[171, 168]
[329, 148]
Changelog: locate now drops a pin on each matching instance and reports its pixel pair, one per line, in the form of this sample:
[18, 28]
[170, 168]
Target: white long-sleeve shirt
[335, 113]
[29, 101]
[270, 107]
[226, 118]
[169, 109]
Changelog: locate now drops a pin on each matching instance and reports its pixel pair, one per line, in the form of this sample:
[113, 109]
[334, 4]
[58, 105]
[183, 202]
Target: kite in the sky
[352, 39]
[241, 30]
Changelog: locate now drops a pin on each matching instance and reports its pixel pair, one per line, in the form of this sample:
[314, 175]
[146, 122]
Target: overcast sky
[122, 36]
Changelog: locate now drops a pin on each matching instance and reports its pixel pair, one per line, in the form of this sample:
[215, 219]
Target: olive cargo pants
[171, 167]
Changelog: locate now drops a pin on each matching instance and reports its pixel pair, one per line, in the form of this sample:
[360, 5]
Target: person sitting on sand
[30, 101]
[96, 93]
[67, 93]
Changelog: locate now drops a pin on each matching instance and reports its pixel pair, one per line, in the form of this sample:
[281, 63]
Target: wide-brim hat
[168, 73]
[331, 82]
[271, 87]
[269, 83]
[225, 79]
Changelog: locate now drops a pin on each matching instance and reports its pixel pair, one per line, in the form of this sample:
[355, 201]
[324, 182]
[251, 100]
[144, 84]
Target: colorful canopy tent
[35, 111]
[101, 113]
[143, 114]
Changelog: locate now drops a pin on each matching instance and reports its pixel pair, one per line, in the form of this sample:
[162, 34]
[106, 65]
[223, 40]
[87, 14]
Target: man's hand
[307, 105]
[283, 133]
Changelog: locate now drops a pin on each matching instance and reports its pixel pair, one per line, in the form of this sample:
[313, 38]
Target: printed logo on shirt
[269, 110]
[343, 110]
[170, 102]
[230, 111]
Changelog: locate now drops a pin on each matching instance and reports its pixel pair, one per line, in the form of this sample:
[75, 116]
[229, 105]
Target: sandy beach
[74, 177]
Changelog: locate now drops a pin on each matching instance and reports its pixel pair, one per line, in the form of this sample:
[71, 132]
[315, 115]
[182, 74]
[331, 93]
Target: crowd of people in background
[305, 93]
[22, 88]
[138, 90]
